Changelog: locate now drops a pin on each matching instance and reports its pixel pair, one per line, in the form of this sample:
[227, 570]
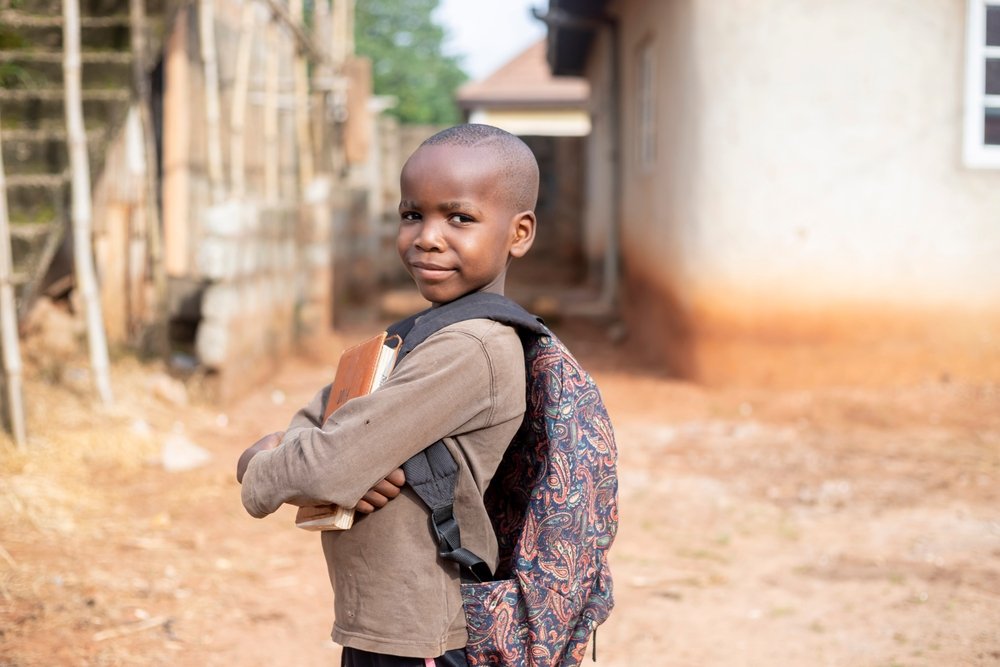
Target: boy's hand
[382, 493]
[269, 441]
[376, 498]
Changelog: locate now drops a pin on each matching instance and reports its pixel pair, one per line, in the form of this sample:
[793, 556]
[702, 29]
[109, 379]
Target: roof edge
[572, 25]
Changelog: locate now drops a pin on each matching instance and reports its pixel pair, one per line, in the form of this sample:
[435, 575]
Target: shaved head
[517, 164]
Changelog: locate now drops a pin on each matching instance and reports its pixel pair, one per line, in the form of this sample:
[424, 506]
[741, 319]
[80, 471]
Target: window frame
[976, 153]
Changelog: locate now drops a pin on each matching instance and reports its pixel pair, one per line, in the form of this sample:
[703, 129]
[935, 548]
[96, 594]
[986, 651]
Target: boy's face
[457, 229]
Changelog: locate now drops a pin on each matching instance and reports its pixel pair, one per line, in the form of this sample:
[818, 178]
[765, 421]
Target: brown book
[361, 370]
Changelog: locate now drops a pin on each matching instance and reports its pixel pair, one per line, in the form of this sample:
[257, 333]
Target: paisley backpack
[553, 503]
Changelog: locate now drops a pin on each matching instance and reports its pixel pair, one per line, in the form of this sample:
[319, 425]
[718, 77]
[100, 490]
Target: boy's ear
[523, 228]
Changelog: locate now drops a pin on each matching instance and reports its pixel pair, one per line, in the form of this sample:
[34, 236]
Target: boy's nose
[430, 236]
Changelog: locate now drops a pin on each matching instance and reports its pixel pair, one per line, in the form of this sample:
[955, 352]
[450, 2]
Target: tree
[83, 251]
[405, 46]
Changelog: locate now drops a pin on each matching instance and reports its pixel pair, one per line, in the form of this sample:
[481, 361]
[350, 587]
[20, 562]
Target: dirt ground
[840, 526]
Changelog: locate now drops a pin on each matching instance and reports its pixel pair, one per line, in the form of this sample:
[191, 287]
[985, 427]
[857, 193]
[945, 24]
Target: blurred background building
[801, 190]
[760, 192]
[234, 152]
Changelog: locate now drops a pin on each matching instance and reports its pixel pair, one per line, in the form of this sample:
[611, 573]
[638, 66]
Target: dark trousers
[352, 657]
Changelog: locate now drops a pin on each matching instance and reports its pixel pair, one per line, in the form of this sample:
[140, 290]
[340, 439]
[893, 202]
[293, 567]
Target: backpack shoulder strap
[433, 475]
[433, 472]
[478, 305]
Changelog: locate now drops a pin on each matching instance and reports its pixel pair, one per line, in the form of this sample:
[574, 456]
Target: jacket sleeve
[312, 414]
[446, 386]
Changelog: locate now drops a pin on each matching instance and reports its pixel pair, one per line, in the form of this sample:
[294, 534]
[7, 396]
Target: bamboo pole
[8, 321]
[83, 255]
[303, 40]
[341, 49]
[301, 81]
[342, 19]
[271, 155]
[213, 133]
[154, 235]
[237, 124]
[321, 85]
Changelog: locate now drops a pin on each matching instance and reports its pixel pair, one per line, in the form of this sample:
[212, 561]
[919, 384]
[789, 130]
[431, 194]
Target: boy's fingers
[371, 502]
[397, 477]
[375, 498]
[380, 494]
[386, 488]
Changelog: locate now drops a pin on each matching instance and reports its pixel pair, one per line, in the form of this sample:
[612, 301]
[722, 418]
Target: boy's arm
[446, 386]
[381, 493]
[269, 441]
[311, 415]
[376, 498]
[308, 416]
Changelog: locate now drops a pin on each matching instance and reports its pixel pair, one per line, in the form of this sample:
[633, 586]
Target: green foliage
[405, 46]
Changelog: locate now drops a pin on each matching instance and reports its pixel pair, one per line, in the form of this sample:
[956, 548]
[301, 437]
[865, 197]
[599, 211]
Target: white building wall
[807, 152]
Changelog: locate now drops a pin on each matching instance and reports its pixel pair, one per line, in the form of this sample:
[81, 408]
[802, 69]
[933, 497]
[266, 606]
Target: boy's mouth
[428, 271]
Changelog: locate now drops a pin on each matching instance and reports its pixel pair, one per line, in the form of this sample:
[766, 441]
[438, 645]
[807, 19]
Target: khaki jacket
[393, 594]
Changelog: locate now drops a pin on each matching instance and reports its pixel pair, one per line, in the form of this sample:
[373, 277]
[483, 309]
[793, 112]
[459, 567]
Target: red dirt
[835, 526]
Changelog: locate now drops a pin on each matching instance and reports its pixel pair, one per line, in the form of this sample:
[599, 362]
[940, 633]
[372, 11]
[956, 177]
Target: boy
[466, 210]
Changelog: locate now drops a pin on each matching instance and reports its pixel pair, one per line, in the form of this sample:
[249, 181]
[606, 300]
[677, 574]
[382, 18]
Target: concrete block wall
[249, 255]
[269, 285]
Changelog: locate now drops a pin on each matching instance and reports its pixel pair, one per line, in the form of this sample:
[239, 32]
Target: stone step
[94, 8]
[37, 55]
[44, 152]
[18, 18]
[29, 233]
[35, 199]
[43, 69]
[45, 109]
[30, 36]
[43, 181]
[27, 158]
[19, 278]
[57, 93]
[27, 243]
[59, 134]
[35, 157]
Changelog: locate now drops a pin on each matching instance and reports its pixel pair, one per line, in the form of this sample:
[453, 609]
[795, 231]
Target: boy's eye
[409, 215]
[460, 217]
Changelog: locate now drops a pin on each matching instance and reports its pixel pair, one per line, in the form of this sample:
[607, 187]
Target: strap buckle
[445, 528]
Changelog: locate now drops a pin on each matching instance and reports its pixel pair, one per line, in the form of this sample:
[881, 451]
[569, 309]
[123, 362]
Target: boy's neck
[492, 288]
